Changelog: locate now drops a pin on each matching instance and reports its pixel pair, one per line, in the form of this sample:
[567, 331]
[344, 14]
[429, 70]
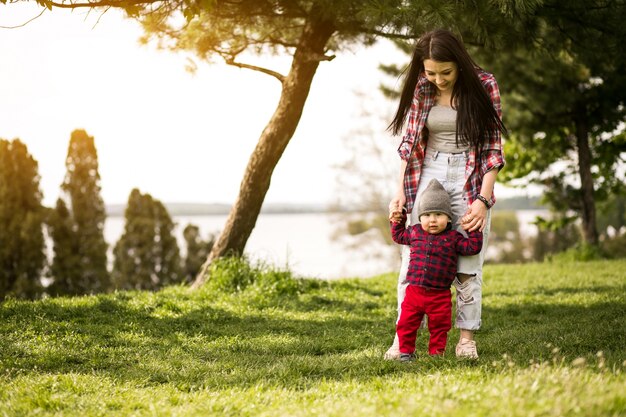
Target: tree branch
[231, 61]
[99, 3]
[310, 56]
[388, 35]
[23, 24]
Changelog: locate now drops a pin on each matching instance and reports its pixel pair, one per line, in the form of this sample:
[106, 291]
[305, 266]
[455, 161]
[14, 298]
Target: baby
[435, 249]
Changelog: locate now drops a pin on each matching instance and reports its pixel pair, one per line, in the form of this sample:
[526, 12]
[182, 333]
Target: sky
[179, 136]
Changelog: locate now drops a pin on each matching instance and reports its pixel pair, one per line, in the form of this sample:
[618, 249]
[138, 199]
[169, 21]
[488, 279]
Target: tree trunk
[272, 143]
[588, 212]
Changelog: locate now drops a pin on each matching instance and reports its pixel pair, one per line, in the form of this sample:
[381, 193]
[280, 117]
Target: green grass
[553, 343]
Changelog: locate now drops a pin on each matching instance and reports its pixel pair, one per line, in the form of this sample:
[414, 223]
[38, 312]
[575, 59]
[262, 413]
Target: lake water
[305, 244]
[302, 242]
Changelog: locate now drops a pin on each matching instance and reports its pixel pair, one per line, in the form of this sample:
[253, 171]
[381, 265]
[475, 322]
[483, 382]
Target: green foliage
[261, 282]
[563, 93]
[197, 251]
[231, 274]
[166, 253]
[614, 247]
[229, 29]
[582, 252]
[22, 256]
[133, 266]
[274, 282]
[612, 213]
[555, 235]
[557, 240]
[66, 265]
[77, 224]
[551, 345]
[146, 257]
[552, 239]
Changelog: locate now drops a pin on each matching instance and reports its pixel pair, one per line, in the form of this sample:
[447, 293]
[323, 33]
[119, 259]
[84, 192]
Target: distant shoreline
[216, 209]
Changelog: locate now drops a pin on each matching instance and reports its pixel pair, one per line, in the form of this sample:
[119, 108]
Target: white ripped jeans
[449, 170]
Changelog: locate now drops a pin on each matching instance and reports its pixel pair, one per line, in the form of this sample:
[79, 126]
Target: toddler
[435, 248]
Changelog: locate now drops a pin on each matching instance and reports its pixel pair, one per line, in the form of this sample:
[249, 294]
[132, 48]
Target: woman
[453, 134]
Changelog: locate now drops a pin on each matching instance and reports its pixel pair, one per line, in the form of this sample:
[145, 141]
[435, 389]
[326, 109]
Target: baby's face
[434, 223]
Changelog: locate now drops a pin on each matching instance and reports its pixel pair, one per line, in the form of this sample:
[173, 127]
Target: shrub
[237, 274]
[615, 247]
[582, 252]
[231, 274]
[278, 282]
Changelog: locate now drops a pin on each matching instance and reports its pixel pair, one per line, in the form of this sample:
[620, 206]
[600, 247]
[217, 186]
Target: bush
[237, 274]
[582, 252]
[615, 247]
[278, 282]
[231, 274]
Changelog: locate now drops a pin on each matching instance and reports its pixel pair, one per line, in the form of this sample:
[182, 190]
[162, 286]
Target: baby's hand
[395, 216]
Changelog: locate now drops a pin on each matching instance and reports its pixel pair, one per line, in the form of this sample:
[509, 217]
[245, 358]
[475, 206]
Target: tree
[146, 257]
[65, 269]
[309, 31]
[612, 215]
[565, 99]
[197, 251]
[22, 256]
[556, 235]
[166, 255]
[564, 103]
[80, 260]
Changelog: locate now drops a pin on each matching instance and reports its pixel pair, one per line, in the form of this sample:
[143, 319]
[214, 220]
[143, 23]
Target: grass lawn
[553, 343]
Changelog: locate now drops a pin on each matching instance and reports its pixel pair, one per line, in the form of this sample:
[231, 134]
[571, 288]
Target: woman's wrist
[484, 200]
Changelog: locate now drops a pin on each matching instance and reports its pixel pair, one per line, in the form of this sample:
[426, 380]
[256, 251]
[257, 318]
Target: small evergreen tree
[131, 265]
[65, 268]
[22, 255]
[167, 253]
[80, 251]
[197, 251]
[146, 257]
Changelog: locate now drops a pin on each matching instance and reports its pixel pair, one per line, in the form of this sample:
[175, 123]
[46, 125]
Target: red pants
[437, 305]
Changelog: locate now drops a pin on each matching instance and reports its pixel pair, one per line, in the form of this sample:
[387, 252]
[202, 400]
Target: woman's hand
[396, 205]
[475, 217]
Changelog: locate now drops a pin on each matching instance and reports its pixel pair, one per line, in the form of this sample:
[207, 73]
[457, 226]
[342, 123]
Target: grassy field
[553, 343]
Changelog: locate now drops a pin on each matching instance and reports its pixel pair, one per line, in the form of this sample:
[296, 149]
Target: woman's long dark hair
[475, 112]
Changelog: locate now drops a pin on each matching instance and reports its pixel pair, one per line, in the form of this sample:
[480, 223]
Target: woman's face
[442, 74]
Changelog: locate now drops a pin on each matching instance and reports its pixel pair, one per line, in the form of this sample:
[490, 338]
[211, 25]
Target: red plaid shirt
[434, 258]
[413, 151]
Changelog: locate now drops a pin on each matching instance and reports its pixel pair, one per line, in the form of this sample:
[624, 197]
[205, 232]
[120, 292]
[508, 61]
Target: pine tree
[131, 265]
[22, 246]
[146, 257]
[197, 251]
[565, 92]
[65, 269]
[167, 259]
[80, 260]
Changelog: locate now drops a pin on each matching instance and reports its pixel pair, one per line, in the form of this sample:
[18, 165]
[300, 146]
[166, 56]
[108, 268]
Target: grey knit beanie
[434, 199]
